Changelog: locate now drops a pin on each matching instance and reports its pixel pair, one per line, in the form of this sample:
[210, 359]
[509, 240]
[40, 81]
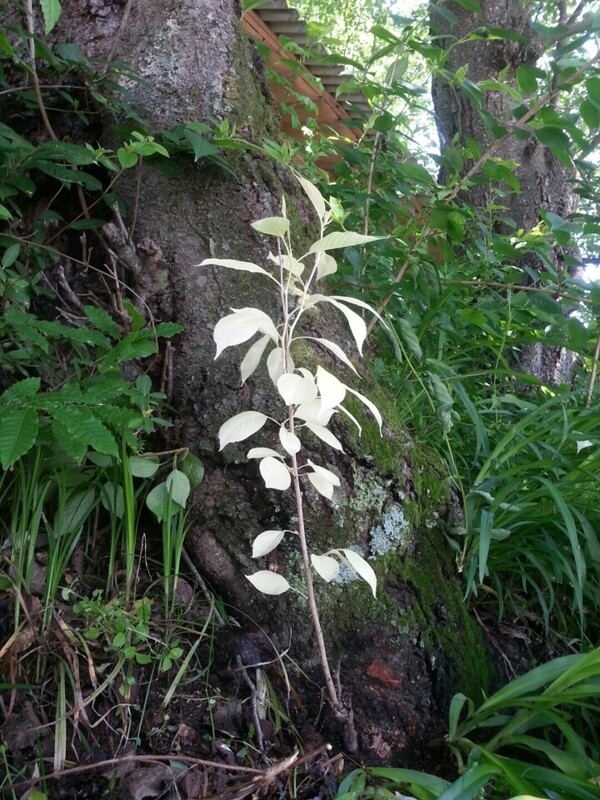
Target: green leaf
[75, 448]
[87, 428]
[590, 113]
[200, 145]
[432, 783]
[127, 158]
[250, 5]
[193, 468]
[4, 212]
[470, 5]
[136, 345]
[469, 785]
[178, 486]
[10, 255]
[415, 172]
[68, 176]
[51, 10]
[143, 467]
[168, 329]
[136, 317]
[72, 515]
[72, 154]
[527, 79]
[5, 47]
[384, 122]
[410, 337]
[22, 390]
[102, 320]
[18, 432]
[87, 224]
[593, 89]
[158, 502]
[456, 707]
[112, 499]
[36, 794]
[444, 12]
[486, 520]
[557, 140]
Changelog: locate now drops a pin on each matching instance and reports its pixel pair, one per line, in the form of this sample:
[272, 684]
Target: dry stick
[116, 762]
[272, 771]
[477, 166]
[203, 588]
[573, 18]
[253, 703]
[343, 715]
[119, 36]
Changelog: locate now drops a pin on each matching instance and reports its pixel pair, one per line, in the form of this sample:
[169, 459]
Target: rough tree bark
[403, 655]
[545, 183]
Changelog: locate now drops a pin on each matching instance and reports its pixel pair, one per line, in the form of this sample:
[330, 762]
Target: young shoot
[309, 400]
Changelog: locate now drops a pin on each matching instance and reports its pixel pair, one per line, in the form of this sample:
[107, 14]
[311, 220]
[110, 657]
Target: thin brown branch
[593, 374]
[307, 569]
[119, 762]
[576, 13]
[518, 287]
[520, 125]
[34, 76]
[370, 176]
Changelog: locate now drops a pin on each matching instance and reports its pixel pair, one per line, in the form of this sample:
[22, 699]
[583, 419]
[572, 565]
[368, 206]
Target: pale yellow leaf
[331, 389]
[265, 542]
[240, 326]
[240, 427]
[361, 567]
[289, 441]
[268, 582]
[275, 474]
[296, 389]
[326, 566]
[252, 358]
[325, 435]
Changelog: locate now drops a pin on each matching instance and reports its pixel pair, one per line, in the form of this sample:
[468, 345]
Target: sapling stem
[310, 397]
[306, 565]
[310, 590]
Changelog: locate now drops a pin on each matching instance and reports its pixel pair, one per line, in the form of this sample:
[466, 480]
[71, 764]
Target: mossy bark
[401, 655]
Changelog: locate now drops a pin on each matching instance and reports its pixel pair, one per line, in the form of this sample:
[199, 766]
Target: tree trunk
[545, 183]
[403, 655]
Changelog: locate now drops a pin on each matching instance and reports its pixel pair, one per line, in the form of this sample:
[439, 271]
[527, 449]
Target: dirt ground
[229, 718]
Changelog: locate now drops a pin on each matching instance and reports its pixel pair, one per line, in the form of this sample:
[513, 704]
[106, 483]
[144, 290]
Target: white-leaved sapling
[309, 401]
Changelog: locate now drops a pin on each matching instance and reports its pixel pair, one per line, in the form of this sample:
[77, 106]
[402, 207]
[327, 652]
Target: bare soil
[192, 732]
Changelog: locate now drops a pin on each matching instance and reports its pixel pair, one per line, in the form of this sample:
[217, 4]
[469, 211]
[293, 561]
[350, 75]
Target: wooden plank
[331, 114]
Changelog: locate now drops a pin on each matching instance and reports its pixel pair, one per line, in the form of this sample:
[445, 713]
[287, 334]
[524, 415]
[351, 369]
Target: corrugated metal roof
[285, 21]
